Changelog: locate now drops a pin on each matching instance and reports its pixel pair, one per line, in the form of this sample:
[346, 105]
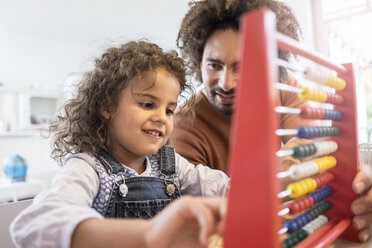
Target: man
[209, 37]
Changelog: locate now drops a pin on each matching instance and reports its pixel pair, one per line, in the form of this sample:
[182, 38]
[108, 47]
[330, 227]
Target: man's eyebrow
[173, 104]
[215, 60]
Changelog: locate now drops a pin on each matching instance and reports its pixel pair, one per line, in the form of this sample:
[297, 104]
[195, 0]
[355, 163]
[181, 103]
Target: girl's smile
[154, 133]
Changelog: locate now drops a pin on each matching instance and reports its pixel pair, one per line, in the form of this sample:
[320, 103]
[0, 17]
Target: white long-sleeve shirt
[52, 218]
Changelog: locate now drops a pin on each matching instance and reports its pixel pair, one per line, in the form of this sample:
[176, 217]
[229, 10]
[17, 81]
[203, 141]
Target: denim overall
[146, 196]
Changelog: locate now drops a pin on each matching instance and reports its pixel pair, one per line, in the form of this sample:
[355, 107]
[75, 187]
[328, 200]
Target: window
[347, 25]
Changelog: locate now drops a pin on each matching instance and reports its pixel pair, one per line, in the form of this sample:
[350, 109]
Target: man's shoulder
[202, 109]
[200, 102]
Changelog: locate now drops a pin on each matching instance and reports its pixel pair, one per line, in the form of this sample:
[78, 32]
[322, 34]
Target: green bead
[328, 131]
[312, 149]
[302, 234]
[307, 150]
[285, 245]
[297, 152]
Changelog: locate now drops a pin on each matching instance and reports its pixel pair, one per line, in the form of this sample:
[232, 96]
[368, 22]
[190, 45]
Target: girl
[116, 128]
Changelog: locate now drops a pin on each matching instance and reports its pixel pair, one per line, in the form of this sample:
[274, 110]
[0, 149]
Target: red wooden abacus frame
[252, 219]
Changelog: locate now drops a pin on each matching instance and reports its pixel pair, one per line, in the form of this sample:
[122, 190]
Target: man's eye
[215, 66]
[170, 112]
[236, 68]
[146, 105]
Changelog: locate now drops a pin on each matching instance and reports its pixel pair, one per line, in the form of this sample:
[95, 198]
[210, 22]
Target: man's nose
[228, 80]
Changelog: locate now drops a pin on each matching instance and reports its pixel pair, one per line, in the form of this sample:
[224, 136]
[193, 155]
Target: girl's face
[143, 119]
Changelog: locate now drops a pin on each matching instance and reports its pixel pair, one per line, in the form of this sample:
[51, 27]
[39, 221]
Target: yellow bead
[325, 163]
[336, 82]
[304, 94]
[310, 94]
[319, 96]
[302, 187]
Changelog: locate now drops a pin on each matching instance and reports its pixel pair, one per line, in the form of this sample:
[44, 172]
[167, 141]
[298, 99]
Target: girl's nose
[160, 116]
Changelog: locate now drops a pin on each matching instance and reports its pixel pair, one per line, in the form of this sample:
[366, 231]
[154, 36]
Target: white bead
[325, 147]
[314, 225]
[304, 169]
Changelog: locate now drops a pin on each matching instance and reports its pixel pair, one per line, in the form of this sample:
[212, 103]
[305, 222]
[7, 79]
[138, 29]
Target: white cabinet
[26, 110]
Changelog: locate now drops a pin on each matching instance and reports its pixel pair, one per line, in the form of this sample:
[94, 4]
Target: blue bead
[292, 225]
[319, 131]
[327, 114]
[300, 132]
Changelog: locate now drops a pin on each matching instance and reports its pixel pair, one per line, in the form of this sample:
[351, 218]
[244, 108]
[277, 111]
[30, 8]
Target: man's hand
[362, 207]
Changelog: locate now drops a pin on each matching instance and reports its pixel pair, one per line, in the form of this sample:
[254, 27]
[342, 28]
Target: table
[11, 192]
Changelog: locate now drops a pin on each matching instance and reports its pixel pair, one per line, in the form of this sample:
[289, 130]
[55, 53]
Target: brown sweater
[205, 140]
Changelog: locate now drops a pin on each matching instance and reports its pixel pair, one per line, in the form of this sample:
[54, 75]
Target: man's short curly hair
[207, 16]
[82, 128]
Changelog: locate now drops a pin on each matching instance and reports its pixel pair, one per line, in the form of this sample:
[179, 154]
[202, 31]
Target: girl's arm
[55, 213]
[200, 180]
[187, 222]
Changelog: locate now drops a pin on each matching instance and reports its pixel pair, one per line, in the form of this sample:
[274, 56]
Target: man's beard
[226, 109]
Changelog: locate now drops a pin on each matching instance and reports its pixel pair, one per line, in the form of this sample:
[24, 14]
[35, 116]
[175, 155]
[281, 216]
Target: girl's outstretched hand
[187, 222]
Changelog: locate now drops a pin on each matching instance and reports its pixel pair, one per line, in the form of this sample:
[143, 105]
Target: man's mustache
[221, 91]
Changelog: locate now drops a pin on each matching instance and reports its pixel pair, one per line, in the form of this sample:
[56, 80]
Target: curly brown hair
[207, 16]
[82, 128]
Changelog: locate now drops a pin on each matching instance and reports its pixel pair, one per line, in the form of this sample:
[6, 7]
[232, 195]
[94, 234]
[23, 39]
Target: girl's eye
[215, 66]
[146, 105]
[170, 112]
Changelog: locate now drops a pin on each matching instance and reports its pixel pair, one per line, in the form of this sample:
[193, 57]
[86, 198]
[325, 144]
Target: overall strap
[111, 164]
[167, 160]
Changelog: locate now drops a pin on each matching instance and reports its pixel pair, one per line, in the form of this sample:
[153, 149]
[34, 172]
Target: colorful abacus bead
[320, 96]
[309, 200]
[316, 75]
[300, 204]
[307, 185]
[336, 82]
[325, 163]
[334, 99]
[311, 167]
[325, 78]
[312, 113]
[306, 132]
[321, 193]
[294, 239]
[323, 114]
[313, 94]
[303, 233]
[299, 221]
[331, 114]
[317, 223]
[323, 178]
[316, 148]
[325, 147]
[304, 150]
[302, 187]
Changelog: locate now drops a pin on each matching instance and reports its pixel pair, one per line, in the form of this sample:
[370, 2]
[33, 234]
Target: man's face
[219, 69]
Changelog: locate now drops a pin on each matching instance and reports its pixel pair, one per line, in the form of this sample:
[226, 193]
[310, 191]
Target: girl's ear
[106, 114]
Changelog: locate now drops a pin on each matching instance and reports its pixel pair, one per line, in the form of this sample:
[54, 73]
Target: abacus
[323, 183]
